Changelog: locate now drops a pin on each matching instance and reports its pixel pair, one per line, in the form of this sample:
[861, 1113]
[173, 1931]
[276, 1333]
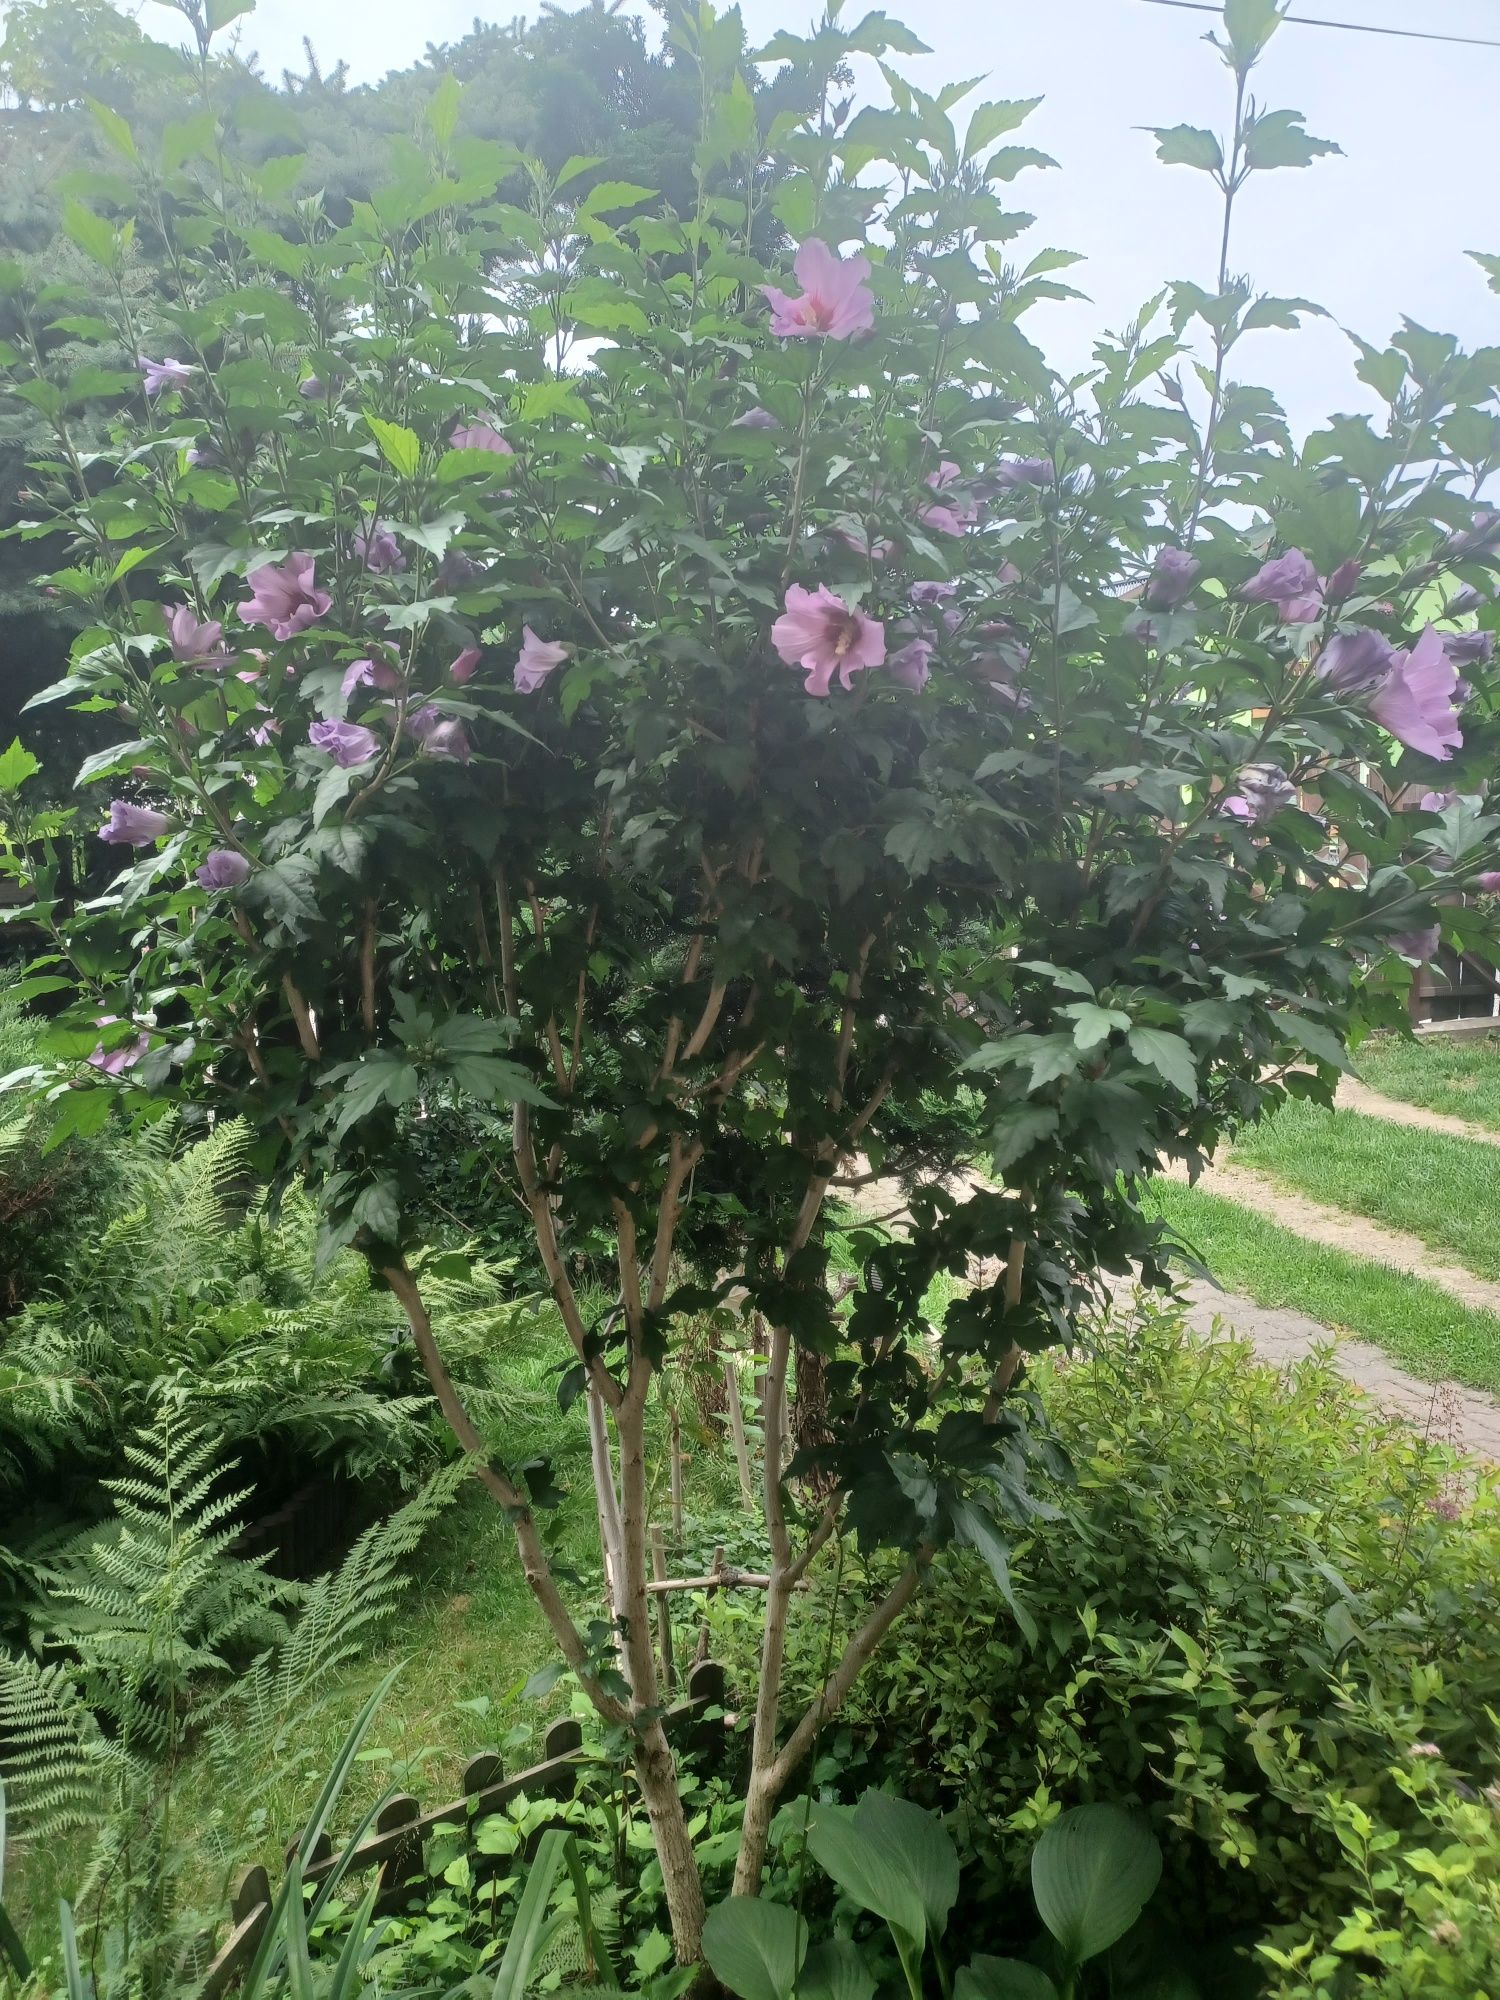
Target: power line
[1352, 27]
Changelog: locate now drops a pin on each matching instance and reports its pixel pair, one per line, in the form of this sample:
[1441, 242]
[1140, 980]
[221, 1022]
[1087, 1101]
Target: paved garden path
[1464, 1418]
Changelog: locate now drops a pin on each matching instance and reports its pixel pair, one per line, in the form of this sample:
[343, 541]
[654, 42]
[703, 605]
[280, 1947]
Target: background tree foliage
[566, 85]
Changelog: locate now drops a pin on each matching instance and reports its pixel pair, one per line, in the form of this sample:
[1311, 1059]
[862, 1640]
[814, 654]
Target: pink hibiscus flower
[819, 633]
[836, 298]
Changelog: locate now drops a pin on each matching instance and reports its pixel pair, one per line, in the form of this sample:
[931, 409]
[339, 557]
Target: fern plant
[155, 1600]
[143, 1619]
[190, 1294]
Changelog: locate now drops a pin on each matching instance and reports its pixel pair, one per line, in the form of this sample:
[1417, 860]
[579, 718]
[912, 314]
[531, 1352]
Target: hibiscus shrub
[716, 713]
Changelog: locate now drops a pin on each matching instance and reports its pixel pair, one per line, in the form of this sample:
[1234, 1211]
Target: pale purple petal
[1417, 700]
[537, 659]
[284, 598]
[479, 436]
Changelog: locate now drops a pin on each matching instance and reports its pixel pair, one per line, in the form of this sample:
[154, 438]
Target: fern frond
[54, 1759]
[338, 1613]
[155, 1600]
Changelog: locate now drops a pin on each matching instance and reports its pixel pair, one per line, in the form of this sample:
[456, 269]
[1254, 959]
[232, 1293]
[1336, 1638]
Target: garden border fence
[396, 1846]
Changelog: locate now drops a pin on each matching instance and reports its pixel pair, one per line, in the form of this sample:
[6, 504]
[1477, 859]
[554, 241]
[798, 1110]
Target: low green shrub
[49, 1201]
[1267, 1617]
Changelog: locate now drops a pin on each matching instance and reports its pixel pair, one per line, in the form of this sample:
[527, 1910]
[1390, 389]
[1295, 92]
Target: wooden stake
[677, 1524]
[663, 1610]
[737, 1432]
[715, 1568]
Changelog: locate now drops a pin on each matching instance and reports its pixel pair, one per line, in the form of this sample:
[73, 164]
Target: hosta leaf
[1092, 1873]
[755, 1947]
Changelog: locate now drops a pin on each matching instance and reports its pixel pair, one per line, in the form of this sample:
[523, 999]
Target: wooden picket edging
[402, 1828]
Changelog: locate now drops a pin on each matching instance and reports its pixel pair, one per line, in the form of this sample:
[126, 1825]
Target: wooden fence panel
[396, 1846]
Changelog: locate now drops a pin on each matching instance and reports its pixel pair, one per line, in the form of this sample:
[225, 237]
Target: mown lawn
[1418, 1324]
[1459, 1078]
[1444, 1190]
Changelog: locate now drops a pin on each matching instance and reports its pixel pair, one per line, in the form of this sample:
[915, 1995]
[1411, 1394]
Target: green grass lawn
[1459, 1078]
[1444, 1190]
[1419, 1325]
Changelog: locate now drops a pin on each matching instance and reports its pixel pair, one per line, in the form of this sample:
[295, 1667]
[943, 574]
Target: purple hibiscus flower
[1290, 583]
[1482, 532]
[347, 743]
[284, 598]
[370, 673]
[133, 826]
[479, 436]
[197, 642]
[223, 869]
[911, 664]
[1417, 701]
[1173, 575]
[456, 570]
[1468, 649]
[465, 665]
[1013, 472]
[379, 551]
[1420, 945]
[1261, 790]
[115, 1062]
[157, 376]
[445, 738]
[952, 516]
[537, 659]
[1353, 661]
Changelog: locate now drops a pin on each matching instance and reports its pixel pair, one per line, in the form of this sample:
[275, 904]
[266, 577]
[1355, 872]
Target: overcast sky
[1376, 233]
